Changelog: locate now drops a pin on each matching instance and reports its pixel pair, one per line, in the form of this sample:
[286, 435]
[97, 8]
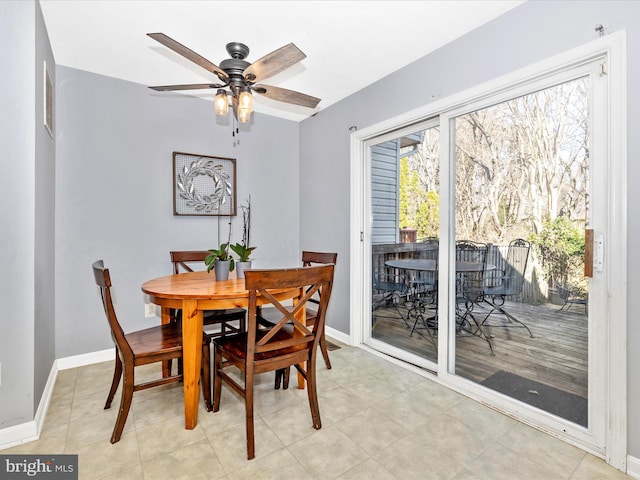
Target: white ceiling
[349, 44]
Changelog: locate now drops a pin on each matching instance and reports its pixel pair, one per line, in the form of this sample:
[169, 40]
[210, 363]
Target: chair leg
[312, 392]
[117, 373]
[248, 402]
[125, 403]
[325, 351]
[217, 381]
[205, 379]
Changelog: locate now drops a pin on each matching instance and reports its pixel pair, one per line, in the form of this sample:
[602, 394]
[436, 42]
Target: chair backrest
[310, 258]
[469, 251]
[182, 259]
[103, 280]
[318, 258]
[517, 257]
[310, 280]
[470, 285]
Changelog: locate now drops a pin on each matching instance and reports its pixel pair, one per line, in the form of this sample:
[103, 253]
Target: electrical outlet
[149, 310]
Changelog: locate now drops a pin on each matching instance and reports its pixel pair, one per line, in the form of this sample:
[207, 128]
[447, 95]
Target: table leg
[192, 358]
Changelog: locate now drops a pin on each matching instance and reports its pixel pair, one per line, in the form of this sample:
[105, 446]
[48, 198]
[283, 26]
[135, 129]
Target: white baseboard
[337, 334]
[86, 359]
[633, 467]
[30, 431]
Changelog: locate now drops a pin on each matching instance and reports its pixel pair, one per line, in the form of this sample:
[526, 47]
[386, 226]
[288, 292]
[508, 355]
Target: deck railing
[534, 291]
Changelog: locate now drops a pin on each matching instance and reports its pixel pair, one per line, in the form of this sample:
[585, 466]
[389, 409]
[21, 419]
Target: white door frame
[614, 445]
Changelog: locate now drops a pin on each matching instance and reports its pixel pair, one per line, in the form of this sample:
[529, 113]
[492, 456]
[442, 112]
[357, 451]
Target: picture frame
[203, 185]
[48, 101]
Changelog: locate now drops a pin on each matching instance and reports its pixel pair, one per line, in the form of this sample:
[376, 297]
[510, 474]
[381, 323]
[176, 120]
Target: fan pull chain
[235, 131]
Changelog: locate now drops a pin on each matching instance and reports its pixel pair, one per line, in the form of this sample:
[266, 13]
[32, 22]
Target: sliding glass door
[404, 199]
[483, 226]
[522, 206]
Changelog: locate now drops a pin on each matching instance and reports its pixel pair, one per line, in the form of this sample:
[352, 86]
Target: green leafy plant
[242, 251]
[221, 253]
[560, 247]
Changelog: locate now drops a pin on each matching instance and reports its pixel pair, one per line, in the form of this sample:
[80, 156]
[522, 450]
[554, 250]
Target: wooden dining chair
[309, 259]
[142, 347]
[318, 258]
[226, 319]
[288, 343]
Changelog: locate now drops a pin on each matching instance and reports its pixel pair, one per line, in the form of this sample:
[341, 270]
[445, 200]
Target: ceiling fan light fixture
[221, 103]
[244, 115]
[245, 100]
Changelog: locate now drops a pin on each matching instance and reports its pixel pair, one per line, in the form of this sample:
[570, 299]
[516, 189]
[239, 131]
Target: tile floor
[380, 421]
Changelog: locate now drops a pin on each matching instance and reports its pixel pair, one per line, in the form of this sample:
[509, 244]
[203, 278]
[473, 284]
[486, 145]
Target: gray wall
[527, 34]
[27, 216]
[114, 191]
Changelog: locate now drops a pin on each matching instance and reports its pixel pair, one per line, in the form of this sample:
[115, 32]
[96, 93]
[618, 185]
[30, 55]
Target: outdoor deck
[556, 355]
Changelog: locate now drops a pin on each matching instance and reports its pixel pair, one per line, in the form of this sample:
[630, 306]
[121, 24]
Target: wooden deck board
[557, 355]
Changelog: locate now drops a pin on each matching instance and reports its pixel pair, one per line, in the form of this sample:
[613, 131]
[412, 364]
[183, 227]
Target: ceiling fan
[240, 76]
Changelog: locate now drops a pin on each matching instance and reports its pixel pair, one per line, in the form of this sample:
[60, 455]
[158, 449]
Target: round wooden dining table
[193, 293]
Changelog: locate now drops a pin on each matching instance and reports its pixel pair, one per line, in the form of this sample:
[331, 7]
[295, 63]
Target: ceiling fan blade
[188, 54]
[195, 86]
[288, 96]
[273, 63]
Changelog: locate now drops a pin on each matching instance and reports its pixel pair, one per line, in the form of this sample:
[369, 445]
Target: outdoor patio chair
[571, 295]
[507, 282]
[470, 286]
[390, 289]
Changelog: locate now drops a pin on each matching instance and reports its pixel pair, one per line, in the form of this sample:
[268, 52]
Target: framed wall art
[48, 101]
[203, 185]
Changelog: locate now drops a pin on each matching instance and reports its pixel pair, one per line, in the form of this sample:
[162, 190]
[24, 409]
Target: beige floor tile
[539, 447]
[371, 430]
[328, 453]
[501, 463]
[408, 410]
[368, 470]
[160, 438]
[291, 423]
[52, 440]
[439, 397]
[158, 407]
[481, 417]
[399, 377]
[338, 404]
[94, 428]
[230, 415]
[412, 458]
[196, 461]
[279, 465]
[379, 420]
[231, 445]
[370, 389]
[592, 468]
[103, 460]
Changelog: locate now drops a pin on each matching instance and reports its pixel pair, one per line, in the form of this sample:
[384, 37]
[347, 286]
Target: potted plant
[242, 249]
[221, 260]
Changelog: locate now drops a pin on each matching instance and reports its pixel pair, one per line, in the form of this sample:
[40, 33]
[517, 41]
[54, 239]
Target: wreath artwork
[203, 185]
